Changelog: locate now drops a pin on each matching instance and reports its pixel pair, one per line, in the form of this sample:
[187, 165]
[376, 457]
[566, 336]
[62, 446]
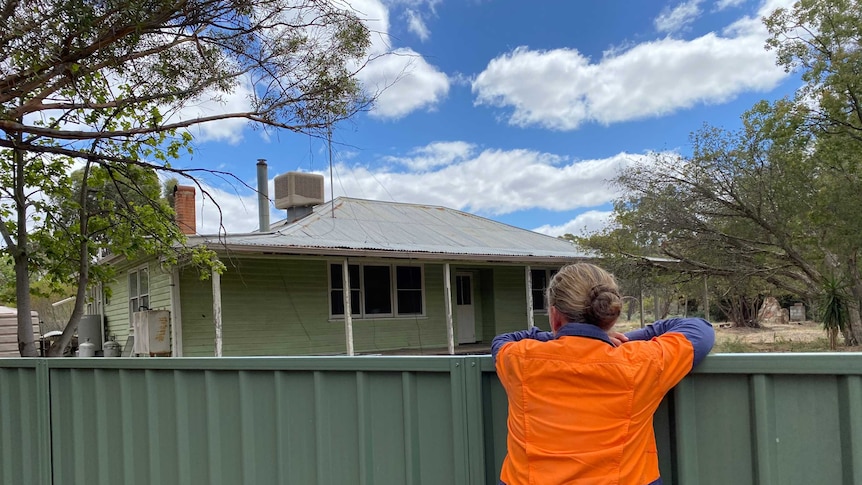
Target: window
[139, 290]
[463, 295]
[540, 279]
[336, 283]
[372, 292]
[409, 289]
[94, 300]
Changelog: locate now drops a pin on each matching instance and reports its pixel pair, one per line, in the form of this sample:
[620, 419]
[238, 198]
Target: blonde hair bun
[585, 293]
[605, 306]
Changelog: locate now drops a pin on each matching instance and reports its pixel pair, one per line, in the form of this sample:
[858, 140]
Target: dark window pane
[462, 291]
[336, 280]
[538, 300]
[337, 302]
[538, 279]
[336, 276]
[409, 302]
[409, 277]
[378, 290]
[353, 274]
[354, 302]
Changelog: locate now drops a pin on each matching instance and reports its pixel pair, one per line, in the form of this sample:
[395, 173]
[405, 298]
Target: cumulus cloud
[561, 88]
[416, 24]
[211, 104]
[455, 175]
[404, 82]
[672, 20]
[434, 155]
[582, 225]
[523, 179]
[401, 78]
[725, 4]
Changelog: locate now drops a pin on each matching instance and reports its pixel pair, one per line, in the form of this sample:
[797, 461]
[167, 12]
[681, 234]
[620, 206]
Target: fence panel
[742, 419]
[24, 434]
[251, 421]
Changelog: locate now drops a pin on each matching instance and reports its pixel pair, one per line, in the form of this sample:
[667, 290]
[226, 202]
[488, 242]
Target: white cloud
[561, 88]
[725, 4]
[238, 213]
[416, 25]
[402, 79]
[585, 223]
[679, 17]
[435, 154]
[404, 82]
[523, 179]
[212, 104]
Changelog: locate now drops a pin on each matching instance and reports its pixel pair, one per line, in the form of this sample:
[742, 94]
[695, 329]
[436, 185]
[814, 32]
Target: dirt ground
[805, 336]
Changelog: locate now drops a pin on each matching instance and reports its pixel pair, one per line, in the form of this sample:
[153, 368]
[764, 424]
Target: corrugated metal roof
[366, 225]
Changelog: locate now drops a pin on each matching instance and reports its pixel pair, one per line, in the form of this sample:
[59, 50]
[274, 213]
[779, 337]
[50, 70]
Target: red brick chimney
[184, 205]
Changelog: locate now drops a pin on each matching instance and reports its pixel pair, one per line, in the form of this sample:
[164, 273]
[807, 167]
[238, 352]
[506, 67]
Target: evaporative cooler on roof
[298, 189]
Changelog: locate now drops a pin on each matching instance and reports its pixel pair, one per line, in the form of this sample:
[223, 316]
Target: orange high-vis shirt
[581, 410]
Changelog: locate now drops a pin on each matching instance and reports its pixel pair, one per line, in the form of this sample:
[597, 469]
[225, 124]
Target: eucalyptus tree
[114, 83]
[773, 204]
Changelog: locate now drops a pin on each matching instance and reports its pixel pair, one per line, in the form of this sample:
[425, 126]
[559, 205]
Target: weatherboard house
[423, 278]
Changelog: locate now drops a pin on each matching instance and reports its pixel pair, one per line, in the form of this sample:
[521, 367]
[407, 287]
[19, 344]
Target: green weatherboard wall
[280, 306]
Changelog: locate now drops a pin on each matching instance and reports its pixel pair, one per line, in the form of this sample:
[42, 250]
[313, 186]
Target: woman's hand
[617, 338]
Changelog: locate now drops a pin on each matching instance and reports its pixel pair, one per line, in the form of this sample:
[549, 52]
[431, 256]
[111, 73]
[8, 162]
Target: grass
[738, 345]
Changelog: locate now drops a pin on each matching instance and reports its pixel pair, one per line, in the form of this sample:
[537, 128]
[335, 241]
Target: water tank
[90, 330]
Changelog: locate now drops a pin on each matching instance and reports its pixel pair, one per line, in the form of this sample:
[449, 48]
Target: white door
[464, 313]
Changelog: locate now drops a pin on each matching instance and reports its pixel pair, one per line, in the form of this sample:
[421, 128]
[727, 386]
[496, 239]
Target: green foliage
[168, 189]
[771, 207]
[7, 281]
[105, 84]
[833, 305]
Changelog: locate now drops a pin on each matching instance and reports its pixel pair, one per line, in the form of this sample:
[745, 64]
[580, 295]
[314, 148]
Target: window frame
[549, 273]
[137, 274]
[394, 290]
[96, 300]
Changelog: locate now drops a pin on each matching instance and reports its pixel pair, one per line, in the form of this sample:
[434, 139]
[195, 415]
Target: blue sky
[516, 111]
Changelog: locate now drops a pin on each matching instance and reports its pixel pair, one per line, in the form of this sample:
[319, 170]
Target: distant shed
[9, 331]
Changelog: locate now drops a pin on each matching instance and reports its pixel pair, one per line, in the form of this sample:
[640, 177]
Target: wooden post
[528, 276]
[176, 315]
[217, 312]
[348, 318]
[641, 299]
[705, 299]
[447, 290]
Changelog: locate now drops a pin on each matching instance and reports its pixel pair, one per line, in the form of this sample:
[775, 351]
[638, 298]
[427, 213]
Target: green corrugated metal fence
[741, 419]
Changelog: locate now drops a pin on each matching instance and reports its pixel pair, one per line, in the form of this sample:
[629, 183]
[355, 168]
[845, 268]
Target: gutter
[395, 254]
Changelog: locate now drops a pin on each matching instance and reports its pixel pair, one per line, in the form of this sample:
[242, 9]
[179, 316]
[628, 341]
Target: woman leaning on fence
[582, 397]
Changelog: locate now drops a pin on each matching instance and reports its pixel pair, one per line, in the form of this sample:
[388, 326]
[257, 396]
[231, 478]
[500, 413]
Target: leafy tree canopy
[109, 84]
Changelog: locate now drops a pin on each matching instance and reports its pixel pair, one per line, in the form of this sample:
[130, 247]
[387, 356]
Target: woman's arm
[503, 339]
[697, 331]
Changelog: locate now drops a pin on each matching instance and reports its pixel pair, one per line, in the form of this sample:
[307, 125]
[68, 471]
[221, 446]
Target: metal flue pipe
[263, 195]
